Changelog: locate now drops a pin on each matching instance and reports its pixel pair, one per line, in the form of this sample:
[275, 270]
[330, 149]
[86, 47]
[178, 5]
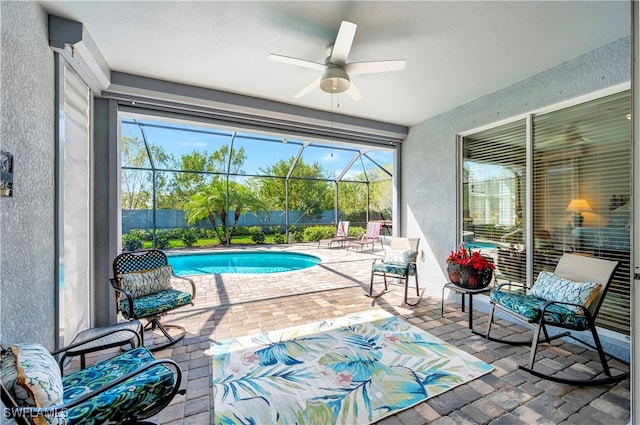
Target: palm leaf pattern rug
[351, 370]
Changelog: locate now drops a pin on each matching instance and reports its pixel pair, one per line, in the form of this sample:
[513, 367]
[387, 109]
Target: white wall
[428, 172]
[27, 285]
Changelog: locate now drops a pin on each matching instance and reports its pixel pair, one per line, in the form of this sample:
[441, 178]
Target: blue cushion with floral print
[123, 400]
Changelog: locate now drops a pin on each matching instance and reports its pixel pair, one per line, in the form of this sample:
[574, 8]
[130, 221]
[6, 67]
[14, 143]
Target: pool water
[240, 262]
[481, 245]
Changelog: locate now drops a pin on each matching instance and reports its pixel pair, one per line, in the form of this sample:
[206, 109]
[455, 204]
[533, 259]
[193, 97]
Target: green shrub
[241, 231]
[131, 242]
[315, 233]
[278, 237]
[173, 233]
[257, 235]
[357, 232]
[189, 237]
[162, 240]
[142, 234]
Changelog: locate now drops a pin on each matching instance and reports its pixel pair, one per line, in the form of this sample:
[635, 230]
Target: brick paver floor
[229, 306]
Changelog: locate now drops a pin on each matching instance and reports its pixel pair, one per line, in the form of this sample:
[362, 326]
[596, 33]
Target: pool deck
[229, 306]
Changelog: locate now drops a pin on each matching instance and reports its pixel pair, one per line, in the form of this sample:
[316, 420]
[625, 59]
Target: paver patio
[229, 306]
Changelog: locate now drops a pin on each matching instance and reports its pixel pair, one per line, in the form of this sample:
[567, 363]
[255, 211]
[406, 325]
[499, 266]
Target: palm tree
[211, 204]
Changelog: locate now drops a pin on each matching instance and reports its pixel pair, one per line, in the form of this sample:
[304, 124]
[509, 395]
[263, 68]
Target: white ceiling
[455, 51]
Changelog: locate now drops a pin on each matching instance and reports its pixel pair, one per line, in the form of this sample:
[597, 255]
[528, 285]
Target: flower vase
[469, 277]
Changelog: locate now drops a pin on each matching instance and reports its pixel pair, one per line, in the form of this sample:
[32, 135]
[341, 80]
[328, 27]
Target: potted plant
[469, 269]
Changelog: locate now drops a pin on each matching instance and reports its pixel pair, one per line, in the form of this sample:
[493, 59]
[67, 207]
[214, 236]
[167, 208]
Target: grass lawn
[200, 243]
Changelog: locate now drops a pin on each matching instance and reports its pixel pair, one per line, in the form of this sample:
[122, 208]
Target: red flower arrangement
[468, 257]
[469, 269]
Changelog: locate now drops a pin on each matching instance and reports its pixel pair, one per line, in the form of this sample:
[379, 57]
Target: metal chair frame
[138, 261]
[26, 415]
[400, 244]
[577, 268]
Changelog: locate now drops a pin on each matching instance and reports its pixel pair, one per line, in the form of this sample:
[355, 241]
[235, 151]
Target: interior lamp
[578, 206]
[335, 80]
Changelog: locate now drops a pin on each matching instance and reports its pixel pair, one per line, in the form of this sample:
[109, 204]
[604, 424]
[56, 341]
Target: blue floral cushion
[554, 288]
[32, 376]
[146, 282]
[155, 303]
[122, 400]
[397, 269]
[393, 256]
[530, 307]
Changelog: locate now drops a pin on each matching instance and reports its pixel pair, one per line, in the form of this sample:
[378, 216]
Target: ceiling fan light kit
[335, 80]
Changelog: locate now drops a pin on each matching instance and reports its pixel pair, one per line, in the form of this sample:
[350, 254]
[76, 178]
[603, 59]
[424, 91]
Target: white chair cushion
[403, 258]
[553, 288]
[32, 376]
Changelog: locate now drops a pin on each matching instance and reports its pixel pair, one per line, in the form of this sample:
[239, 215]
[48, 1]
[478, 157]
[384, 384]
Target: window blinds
[582, 188]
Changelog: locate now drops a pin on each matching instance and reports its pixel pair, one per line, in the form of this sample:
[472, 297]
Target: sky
[180, 139]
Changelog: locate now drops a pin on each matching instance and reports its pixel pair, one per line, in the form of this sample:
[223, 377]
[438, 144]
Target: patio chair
[146, 288]
[570, 298]
[127, 388]
[399, 262]
[371, 236]
[340, 238]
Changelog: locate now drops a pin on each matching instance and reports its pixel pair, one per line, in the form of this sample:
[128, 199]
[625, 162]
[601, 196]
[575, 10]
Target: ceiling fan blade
[356, 68]
[354, 93]
[309, 87]
[343, 43]
[297, 62]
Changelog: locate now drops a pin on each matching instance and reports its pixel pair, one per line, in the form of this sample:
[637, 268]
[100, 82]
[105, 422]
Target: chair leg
[579, 382]
[154, 323]
[504, 341]
[371, 295]
[534, 343]
[406, 289]
[603, 360]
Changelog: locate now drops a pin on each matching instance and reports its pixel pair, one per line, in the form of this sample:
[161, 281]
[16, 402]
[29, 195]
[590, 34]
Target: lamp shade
[335, 80]
[578, 206]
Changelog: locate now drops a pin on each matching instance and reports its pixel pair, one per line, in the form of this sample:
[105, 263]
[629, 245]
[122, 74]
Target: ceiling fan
[335, 70]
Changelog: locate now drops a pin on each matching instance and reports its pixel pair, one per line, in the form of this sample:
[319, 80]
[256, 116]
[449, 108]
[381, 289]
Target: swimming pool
[482, 245]
[240, 262]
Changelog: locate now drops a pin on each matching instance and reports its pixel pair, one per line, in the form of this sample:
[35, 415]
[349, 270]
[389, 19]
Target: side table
[96, 339]
[464, 291]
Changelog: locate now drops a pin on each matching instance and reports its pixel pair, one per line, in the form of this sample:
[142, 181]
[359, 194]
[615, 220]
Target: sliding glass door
[582, 189]
[580, 185]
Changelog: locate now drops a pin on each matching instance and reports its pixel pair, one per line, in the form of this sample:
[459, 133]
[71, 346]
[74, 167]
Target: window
[582, 188]
[493, 194]
[580, 185]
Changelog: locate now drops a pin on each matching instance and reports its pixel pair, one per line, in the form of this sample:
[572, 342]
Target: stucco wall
[429, 152]
[27, 307]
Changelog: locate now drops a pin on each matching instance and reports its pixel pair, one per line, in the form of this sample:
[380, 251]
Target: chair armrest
[96, 337]
[118, 289]
[21, 412]
[517, 285]
[584, 309]
[193, 285]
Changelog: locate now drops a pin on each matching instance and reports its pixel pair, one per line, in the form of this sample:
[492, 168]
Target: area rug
[351, 370]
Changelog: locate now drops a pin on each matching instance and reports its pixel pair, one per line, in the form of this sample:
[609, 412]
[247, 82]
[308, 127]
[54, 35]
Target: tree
[381, 193]
[352, 196]
[310, 197]
[352, 200]
[137, 185]
[200, 169]
[211, 203]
